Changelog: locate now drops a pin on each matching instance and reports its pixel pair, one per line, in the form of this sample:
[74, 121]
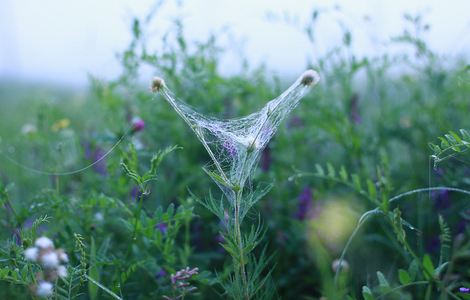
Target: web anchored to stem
[234, 145]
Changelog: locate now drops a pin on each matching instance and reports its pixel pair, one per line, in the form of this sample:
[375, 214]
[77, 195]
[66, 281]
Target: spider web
[235, 145]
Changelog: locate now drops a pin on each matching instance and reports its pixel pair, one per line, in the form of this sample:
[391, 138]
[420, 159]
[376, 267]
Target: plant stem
[137, 214]
[238, 235]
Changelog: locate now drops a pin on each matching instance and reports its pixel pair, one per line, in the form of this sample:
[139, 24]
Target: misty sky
[52, 40]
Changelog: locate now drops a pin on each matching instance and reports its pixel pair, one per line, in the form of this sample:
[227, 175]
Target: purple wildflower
[281, 237]
[219, 238]
[86, 149]
[433, 244]
[305, 203]
[100, 167]
[232, 151]
[163, 227]
[17, 237]
[137, 124]
[354, 114]
[464, 290]
[182, 276]
[96, 155]
[461, 225]
[439, 172]
[266, 159]
[295, 122]
[441, 199]
[162, 273]
[136, 193]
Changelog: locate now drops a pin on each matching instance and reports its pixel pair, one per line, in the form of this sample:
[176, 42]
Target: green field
[375, 154]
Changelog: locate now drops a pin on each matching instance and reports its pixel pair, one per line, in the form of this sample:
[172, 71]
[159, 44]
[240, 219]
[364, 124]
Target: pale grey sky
[57, 40]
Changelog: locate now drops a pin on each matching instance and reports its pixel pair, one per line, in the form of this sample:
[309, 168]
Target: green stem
[137, 217]
[241, 253]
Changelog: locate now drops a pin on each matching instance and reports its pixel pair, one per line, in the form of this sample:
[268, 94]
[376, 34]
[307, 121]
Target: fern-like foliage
[445, 238]
[376, 191]
[450, 145]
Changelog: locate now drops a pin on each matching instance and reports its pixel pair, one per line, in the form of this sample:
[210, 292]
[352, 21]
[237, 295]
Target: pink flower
[137, 124]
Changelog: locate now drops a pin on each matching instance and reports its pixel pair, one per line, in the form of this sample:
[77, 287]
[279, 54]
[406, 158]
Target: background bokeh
[74, 78]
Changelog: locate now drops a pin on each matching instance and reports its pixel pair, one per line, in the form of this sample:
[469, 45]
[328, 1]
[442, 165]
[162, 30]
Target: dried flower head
[157, 84]
[181, 284]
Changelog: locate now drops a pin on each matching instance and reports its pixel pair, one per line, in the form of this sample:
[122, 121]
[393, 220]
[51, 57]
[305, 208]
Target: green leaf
[218, 178]
[444, 143]
[356, 182]
[435, 148]
[157, 159]
[404, 276]
[320, 170]
[413, 269]
[371, 189]
[428, 266]
[439, 269]
[343, 174]
[331, 171]
[465, 135]
[382, 280]
[109, 292]
[130, 173]
[366, 293]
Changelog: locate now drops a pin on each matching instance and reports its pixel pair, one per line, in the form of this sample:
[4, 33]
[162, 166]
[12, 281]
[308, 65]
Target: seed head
[62, 271]
[43, 243]
[310, 77]
[44, 289]
[50, 260]
[63, 257]
[157, 84]
[31, 254]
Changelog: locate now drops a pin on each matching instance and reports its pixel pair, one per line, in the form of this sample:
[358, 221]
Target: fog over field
[62, 41]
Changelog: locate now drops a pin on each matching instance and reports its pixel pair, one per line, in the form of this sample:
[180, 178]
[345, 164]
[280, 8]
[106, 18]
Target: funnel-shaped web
[234, 145]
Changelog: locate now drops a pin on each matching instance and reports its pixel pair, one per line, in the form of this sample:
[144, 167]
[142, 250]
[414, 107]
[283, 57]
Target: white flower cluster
[53, 262]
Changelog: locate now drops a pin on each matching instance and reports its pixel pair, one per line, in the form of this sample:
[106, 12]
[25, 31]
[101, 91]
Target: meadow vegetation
[361, 193]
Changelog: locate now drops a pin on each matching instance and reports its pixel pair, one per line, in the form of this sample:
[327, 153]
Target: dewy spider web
[234, 145]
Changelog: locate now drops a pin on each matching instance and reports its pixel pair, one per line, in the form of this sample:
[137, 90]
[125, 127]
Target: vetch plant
[234, 147]
[180, 283]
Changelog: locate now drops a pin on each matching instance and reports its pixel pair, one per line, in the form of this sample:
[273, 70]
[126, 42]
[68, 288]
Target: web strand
[68, 173]
[234, 145]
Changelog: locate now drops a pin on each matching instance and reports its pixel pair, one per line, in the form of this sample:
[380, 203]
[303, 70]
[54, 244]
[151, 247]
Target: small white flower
[49, 260]
[63, 256]
[62, 271]
[31, 254]
[44, 289]
[336, 265]
[44, 242]
[99, 216]
[28, 129]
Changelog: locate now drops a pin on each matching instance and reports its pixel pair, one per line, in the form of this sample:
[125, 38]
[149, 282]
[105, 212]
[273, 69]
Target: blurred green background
[374, 115]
